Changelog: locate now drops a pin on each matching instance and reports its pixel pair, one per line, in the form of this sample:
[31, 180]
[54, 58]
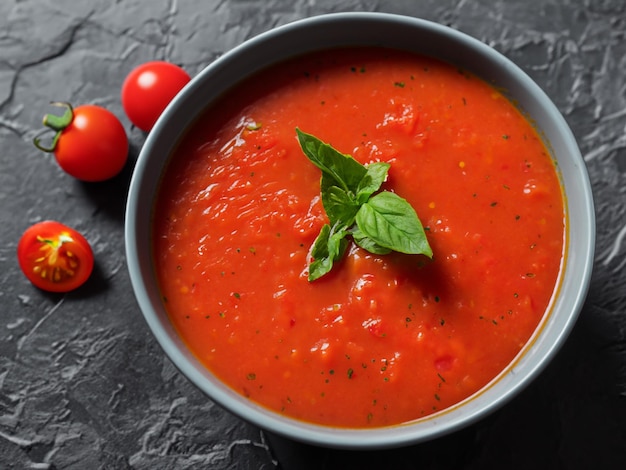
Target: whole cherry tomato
[54, 257]
[90, 142]
[148, 89]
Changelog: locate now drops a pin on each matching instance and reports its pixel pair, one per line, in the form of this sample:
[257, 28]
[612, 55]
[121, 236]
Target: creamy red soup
[381, 339]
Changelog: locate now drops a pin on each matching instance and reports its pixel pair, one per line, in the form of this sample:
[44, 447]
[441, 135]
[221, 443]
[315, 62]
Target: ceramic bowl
[358, 29]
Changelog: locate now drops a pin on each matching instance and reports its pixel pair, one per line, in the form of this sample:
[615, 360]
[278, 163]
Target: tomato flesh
[54, 257]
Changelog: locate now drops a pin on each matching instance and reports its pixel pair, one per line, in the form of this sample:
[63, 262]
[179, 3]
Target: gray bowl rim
[337, 30]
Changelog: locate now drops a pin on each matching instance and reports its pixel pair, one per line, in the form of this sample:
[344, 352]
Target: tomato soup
[381, 339]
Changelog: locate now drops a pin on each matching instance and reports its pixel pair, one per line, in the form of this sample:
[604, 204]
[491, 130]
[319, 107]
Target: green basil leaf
[320, 245]
[328, 247]
[339, 205]
[391, 222]
[367, 243]
[322, 263]
[379, 224]
[343, 170]
[372, 181]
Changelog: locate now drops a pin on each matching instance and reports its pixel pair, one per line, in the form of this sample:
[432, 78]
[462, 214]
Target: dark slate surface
[83, 385]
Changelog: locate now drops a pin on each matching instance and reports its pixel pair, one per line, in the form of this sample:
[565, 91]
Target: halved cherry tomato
[90, 142]
[148, 89]
[55, 257]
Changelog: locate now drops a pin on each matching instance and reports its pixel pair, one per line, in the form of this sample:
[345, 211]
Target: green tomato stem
[57, 124]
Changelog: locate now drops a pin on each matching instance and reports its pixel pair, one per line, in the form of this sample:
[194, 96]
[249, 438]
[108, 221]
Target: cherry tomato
[148, 89]
[54, 257]
[90, 142]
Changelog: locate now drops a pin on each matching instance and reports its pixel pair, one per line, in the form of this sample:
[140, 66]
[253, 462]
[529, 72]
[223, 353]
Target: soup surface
[379, 340]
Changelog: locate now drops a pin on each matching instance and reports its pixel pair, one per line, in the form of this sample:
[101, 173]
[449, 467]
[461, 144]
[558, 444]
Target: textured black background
[83, 385]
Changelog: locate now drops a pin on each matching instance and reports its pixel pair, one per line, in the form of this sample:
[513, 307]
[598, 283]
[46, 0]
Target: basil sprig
[379, 223]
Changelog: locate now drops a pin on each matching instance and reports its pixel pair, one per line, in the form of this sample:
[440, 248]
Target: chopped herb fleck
[251, 376]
